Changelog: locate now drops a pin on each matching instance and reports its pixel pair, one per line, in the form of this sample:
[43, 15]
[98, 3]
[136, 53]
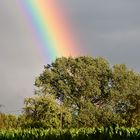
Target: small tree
[44, 111]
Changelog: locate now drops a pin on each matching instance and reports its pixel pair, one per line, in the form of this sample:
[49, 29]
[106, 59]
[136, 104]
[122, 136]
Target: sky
[106, 28]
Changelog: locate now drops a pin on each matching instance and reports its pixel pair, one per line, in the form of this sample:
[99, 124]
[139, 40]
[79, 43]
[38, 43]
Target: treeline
[81, 92]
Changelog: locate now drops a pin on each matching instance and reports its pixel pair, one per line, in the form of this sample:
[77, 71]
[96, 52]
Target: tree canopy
[84, 92]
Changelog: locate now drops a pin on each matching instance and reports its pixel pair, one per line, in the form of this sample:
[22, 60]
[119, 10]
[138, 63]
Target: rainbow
[50, 28]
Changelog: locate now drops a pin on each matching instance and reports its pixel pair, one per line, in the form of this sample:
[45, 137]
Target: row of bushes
[71, 134]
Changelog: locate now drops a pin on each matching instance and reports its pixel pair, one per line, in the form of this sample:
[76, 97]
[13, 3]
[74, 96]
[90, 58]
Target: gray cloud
[20, 63]
[108, 28]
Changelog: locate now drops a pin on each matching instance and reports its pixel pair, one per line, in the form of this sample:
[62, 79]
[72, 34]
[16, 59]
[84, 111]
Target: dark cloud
[108, 28]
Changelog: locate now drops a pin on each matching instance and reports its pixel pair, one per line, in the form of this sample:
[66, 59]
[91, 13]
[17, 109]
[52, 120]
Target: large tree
[86, 92]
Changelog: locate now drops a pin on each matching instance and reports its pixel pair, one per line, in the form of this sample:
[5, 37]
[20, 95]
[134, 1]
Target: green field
[71, 134]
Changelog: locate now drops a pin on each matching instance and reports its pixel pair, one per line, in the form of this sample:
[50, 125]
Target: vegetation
[82, 92]
[72, 134]
[8, 121]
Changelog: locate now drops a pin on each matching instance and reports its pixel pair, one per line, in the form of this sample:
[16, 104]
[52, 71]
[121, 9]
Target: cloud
[107, 28]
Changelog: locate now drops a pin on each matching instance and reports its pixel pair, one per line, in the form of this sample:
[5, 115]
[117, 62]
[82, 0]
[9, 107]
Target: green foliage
[44, 111]
[8, 121]
[108, 133]
[126, 95]
[84, 92]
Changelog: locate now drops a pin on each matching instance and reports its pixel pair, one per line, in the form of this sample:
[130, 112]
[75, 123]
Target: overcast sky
[107, 28]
